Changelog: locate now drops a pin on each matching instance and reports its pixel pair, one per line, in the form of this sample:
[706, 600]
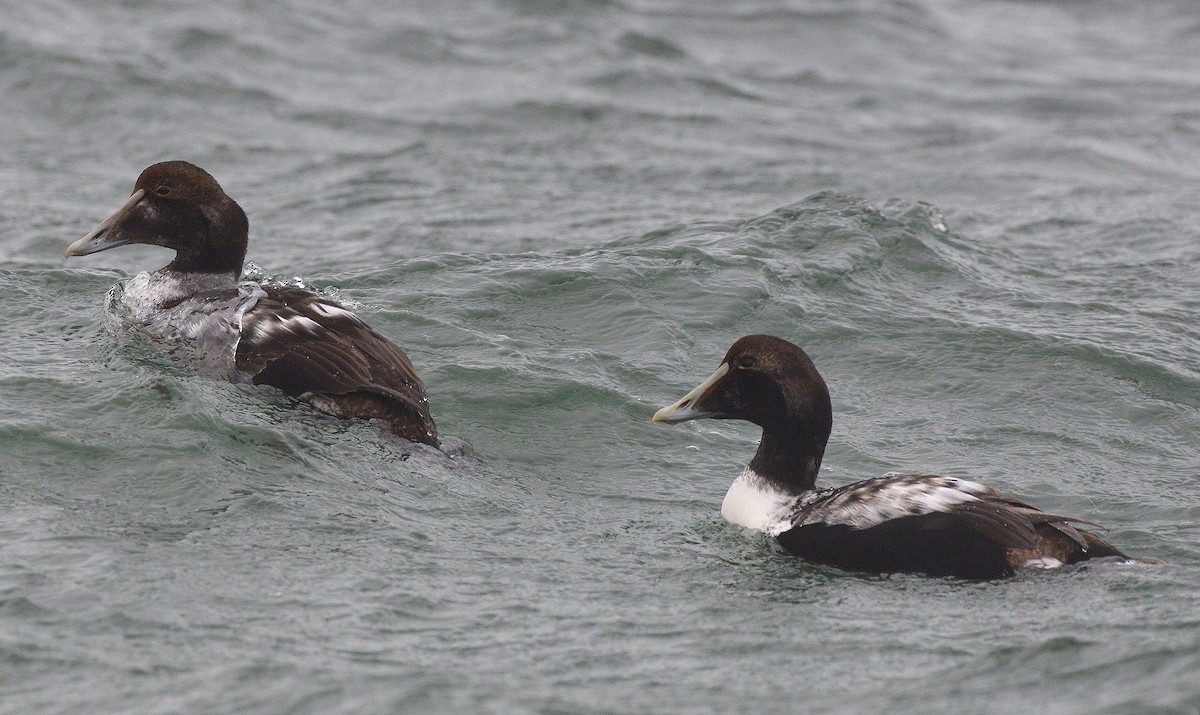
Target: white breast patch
[753, 503]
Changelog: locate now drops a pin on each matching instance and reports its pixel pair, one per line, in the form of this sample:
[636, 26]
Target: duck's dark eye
[163, 190]
[745, 361]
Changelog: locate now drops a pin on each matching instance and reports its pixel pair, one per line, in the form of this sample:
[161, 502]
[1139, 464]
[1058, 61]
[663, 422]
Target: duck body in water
[917, 523]
[302, 343]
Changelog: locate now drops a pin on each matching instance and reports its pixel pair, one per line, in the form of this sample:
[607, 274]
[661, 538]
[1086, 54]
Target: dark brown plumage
[302, 343]
[348, 368]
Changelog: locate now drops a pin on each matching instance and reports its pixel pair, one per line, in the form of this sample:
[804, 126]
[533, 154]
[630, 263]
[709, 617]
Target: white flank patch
[300, 324]
[332, 311]
[754, 504]
[268, 326]
[1045, 562]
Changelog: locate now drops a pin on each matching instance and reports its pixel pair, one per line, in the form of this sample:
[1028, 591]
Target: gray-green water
[979, 218]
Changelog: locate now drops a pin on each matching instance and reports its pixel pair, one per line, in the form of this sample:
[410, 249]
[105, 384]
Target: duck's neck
[214, 241]
[788, 459]
[203, 258]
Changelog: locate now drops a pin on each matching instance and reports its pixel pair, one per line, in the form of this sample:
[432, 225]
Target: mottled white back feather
[865, 504]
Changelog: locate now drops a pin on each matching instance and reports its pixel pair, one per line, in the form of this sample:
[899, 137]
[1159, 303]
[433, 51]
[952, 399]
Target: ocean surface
[980, 218]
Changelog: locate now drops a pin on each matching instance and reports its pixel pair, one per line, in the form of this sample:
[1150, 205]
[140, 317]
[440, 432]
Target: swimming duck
[305, 344]
[917, 523]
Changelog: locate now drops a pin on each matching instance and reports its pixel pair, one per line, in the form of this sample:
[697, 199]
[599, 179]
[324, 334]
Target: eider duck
[302, 343]
[915, 523]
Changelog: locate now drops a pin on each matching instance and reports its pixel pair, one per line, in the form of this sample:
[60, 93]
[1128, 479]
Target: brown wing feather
[1045, 534]
[309, 346]
[1002, 525]
[1060, 522]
